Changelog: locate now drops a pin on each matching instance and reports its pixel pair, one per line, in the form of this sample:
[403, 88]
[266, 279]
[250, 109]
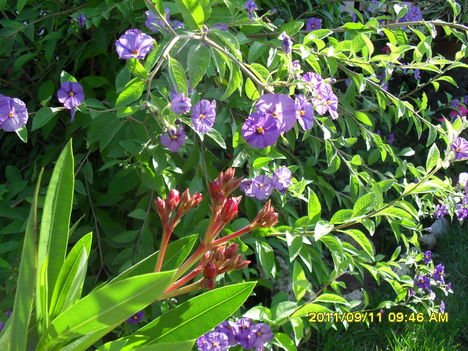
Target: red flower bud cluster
[267, 217]
[183, 203]
[223, 186]
[220, 260]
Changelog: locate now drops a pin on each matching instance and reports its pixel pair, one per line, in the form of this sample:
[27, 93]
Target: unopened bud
[208, 284]
[231, 250]
[230, 209]
[216, 191]
[267, 217]
[210, 271]
[219, 254]
[160, 207]
[173, 199]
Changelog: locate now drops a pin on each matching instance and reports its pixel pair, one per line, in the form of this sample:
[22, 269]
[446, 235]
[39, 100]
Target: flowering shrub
[333, 126]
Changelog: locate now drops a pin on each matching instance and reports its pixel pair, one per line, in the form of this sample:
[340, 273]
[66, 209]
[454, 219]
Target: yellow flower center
[135, 317]
[458, 149]
[71, 94]
[329, 102]
[11, 114]
[302, 113]
[259, 333]
[275, 115]
[201, 116]
[260, 130]
[135, 52]
[215, 344]
[174, 137]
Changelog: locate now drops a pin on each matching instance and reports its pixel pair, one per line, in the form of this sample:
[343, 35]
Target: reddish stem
[184, 290]
[167, 232]
[184, 280]
[199, 252]
[234, 235]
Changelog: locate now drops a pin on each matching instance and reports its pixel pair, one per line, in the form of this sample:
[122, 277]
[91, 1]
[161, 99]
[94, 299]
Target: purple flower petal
[13, 113]
[203, 116]
[260, 130]
[134, 44]
[281, 107]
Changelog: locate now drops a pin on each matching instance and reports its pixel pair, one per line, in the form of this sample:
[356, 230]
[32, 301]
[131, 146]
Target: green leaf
[364, 118]
[107, 306]
[71, 277]
[55, 223]
[322, 228]
[260, 162]
[130, 93]
[217, 137]
[365, 204]
[309, 308]
[266, 257]
[176, 253]
[199, 315]
[284, 341]
[432, 158]
[198, 61]
[16, 339]
[20, 5]
[361, 239]
[235, 81]
[66, 77]
[22, 133]
[314, 208]
[42, 117]
[169, 346]
[300, 284]
[192, 12]
[177, 75]
[331, 298]
[136, 68]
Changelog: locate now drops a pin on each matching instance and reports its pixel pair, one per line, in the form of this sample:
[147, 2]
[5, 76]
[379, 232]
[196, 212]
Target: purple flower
[417, 74]
[286, 43]
[423, 282]
[391, 139]
[449, 287]
[262, 186]
[217, 341]
[13, 114]
[8, 313]
[245, 185]
[440, 211]
[155, 24]
[281, 107]
[296, 69]
[305, 112]
[260, 130]
[180, 104]
[71, 95]
[203, 116]
[460, 147]
[221, 26]
[313, 23]
[442, 307]
[455, 103]
[81, 20]
[414, 14]
[438, 274]
[326, 101]
[228, 328]
[411, 292]
[461, 212]
[2, 325]
[136, 318]
[173, 138]
[313, 80]
[202, 344]
[427, 256]
[281, 180]
[134, 44]
[250, 6]
[259, 335]
[242, 331]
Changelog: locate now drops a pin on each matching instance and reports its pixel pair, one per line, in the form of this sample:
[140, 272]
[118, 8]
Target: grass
[451, 251]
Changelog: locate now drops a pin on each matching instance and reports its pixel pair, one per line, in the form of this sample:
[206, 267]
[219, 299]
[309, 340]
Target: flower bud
[208, 284]
[210, 271]
[219, 254]
[173, 200]
[216, 191]
[231, 250]
[267, 217]
[160, 207]
[230, 209]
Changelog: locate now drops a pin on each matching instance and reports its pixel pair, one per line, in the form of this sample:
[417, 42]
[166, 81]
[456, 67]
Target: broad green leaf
[177, 75]
[266, 257]
[284, 342]
[130, 93]
[322, 228]
[361, 239]
[309, 308]
[176, 253]
[365, 204]
[341, 216]
[71, 277]
[66, 77]
[55, 224]
[260, 162]
[331, 298]
[432, 158]
[199, 315]
[198, 61]
[136, 68]
[217, 137]
[235, 81]
[20, 5]
[22, 133]
[179, 346]
[192, 12]
[314, 208]
[23, 305]
[300, 284]
[42, 117]
[107, 306]
[85, 342]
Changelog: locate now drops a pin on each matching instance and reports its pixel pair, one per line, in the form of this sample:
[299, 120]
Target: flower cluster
[155, 24]
[13, 113]
[459, 109]
[243, 332]
[134, 44]
[262, 186]
[414, 14]
[324, 99]
[460, 148]
[461, 207]
[71, 95]
[440, 211]
[286, 43]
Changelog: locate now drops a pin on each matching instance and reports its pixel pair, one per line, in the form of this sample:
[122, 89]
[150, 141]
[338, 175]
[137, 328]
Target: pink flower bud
[267, 217]
[210, 271]
[173, 200]
[230, 209]
[160, 207]
[231, 250]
